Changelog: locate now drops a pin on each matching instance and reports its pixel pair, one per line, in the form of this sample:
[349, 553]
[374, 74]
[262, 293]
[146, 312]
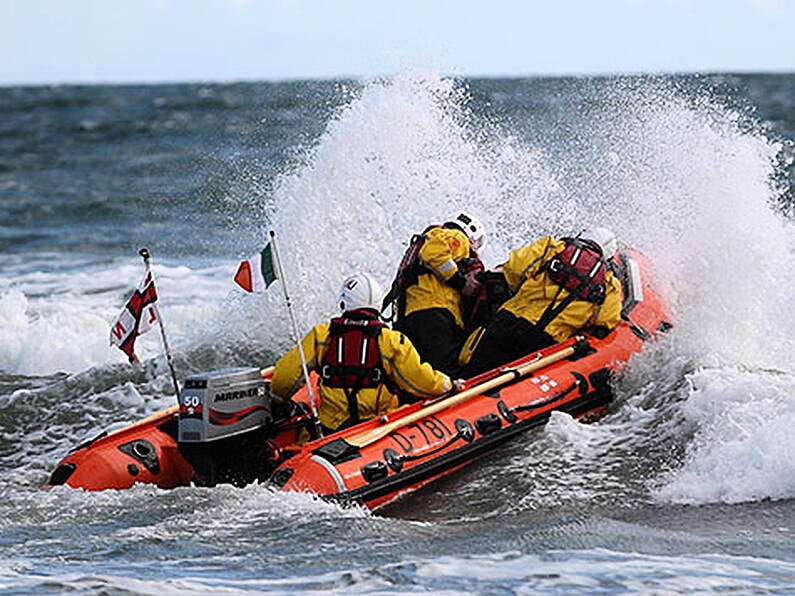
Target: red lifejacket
[408, 273]
[353, 359]
[353, 356]
[581, 269]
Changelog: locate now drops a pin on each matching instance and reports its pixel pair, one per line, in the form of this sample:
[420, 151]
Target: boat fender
[600, 379]
[581, 382]
[61, 474]
[465, 430]
[488, 424]
[374, 471]
[143, 452]
[337, 451]
[393, 459]
[282, 477]
[581, 349]
[506, 412]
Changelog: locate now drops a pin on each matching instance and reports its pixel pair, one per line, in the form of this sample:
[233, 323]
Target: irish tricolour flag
[258, 272]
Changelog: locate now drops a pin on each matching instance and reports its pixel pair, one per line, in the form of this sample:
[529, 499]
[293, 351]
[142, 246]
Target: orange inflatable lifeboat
[229, 430]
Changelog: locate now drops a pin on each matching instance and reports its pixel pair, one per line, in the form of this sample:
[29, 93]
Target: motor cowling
[223, 403]
[224, 423]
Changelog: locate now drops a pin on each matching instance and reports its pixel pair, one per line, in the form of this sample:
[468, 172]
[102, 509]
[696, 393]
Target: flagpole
[312, 402]
[148, 262]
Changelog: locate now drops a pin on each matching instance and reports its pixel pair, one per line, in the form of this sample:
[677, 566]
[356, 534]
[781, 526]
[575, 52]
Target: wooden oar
[371, 436]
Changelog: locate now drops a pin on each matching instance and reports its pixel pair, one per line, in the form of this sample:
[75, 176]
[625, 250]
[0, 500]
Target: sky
[130, 41]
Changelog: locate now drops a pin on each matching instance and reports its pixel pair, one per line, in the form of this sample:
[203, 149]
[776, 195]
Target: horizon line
[337, 78]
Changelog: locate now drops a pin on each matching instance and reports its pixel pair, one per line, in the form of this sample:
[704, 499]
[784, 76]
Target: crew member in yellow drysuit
[361, 362]
[541, 311]
[434, 316]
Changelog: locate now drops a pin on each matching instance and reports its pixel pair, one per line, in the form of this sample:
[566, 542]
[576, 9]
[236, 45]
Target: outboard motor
[224, 422]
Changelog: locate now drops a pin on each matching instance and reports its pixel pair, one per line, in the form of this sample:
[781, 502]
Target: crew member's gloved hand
[459, 385]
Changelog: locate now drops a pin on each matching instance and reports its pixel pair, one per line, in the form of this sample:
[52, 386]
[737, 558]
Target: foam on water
[60, 321]
[601, 570]
[701, 207]
[743, 440]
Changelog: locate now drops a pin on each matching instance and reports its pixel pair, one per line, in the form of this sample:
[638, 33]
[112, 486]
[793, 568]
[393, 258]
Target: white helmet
[472, 227]
[360, 291]
[605, 238]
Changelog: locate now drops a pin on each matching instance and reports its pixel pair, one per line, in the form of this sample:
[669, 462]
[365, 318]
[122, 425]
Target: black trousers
[436, 336]
[506, 338]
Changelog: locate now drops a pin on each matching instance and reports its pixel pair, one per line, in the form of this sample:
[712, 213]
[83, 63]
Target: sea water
[687, 484]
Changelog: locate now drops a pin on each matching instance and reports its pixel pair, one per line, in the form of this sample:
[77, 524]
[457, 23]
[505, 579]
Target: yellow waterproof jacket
[443, 250]
[534, 291]
[401, 364]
